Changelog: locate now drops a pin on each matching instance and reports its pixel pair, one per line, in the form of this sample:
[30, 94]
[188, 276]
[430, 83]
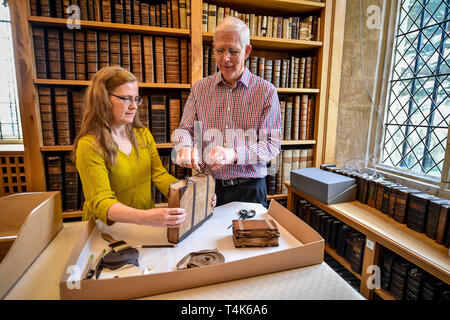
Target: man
[231, 125]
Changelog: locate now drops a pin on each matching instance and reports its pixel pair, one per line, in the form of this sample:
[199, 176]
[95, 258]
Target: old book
[45, 8]
[148, 59]
[118, 11]
[169, 13]
[143, 111]
[175, 14]
[78, 106]
[174, 115]
[308, 68]
[417, 211]
[145, 14]
[70, 185]
[314, 72]
[114, 49]
[54, 53]
[291, 73]
[212, 63]
[159, 59]
[379, 194]
[90, 10]
[402, 203]
[311, 116]
[54, 174]
[295, 164]
[386, 196]
[40, 54]
[371, 192]
[184, 68]
[183, 13]
[127, 13]
[303, 160]
[62, 116]
[163, 15]
[392, 198]
[188, 14]
[212, 17]
[152, 14]
[268, 70]
[45, 105]
[103, 49]
[276, 72]
[287, 158]
[283, 116]
[310, 158]
[106, 10]
[442, 227]
[91, 53]
[284, 70]
[296, 117]
[158, 118]
[261, 62]
[255, 233]
[125, 54]
[194, 195]
[206, 53]
[433, 216]
[288, 119]
[172, 59]
[204, 16]
[136, 57]
[68, 55]
[303, 122]
[136, 12]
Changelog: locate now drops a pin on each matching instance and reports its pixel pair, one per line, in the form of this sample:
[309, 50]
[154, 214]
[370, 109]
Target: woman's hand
[163, 217]
[214, 200]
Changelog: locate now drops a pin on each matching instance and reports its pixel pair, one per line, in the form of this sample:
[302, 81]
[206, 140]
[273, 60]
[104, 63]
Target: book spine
[184, 64]
[106, 11]
[70, 185]
[91, 53]
[148, 59]
[174, 115]
[54, 57]
[125, 54]
[296, 117]
[204, 16]
[159, 59]
[145, 14]
[80, 55]
[172, 60]
[287, 158]
[401, 203]
[143, 112]
[40, 52]
[68, 55]
[62, 116]
[268, 70]
[288, 119]
[78, 109]
[442, 228]
[114, 49]
[45, 105]
[158, 118]
[136, 56]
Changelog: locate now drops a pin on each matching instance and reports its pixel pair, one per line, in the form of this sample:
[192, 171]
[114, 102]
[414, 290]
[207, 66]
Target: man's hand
[188, 157]
[220, 156]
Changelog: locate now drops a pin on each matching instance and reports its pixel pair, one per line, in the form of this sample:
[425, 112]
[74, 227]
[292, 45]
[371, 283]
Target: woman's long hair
[98, 116]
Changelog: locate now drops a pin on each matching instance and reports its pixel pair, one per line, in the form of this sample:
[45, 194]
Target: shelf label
[369, 244]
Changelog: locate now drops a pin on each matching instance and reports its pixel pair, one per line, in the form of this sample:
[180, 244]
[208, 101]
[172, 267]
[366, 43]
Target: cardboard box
[324, 186]
[28, 222]
[309, 251]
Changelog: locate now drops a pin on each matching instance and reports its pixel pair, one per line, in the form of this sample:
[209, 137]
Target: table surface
[317, 282]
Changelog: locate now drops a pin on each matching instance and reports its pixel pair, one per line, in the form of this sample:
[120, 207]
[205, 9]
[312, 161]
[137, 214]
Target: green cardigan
[128, 182]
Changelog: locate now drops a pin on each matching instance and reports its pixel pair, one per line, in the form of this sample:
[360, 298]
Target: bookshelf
[327, 48]
[382, 234]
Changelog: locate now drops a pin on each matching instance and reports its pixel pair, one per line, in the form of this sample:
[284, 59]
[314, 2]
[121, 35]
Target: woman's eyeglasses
[129, 100]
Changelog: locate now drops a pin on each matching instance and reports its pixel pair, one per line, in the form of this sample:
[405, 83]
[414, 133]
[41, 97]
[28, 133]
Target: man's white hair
[232, 24]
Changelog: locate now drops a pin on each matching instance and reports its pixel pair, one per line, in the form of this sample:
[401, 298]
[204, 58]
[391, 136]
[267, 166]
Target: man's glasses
[232, 52]
[128, 100]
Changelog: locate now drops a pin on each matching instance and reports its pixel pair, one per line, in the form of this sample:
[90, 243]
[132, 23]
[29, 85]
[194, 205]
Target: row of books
[298, 28]
[406, 281]
[420, 211]
[79, 54]
[339, 236]
[163, 13]
[297, 117]
[279, 169]
[345, 274]
[61, 111]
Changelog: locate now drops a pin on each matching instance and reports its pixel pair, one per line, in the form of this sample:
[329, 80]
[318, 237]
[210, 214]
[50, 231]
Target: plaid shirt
[246, 118]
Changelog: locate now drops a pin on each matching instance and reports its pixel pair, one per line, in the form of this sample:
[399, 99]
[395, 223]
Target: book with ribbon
[193, 194]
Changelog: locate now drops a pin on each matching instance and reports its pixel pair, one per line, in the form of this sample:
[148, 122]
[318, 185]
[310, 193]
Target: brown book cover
[145, 14]
[261, 62]
[364, 187]
[304, 117]
[152, 13]
[175, 14]
[204, 15]
[276, 72]
[127, 14]
[308, 66]
[45, 8]
[148, 59]
[311, 116]
[103, 49]
[45, 105]
[54, 174]
[288, 119]
[212, 17]
[68, 55]
[40, 54]
[78, 106]
[54, 53]
[287, 159]
[433, 216]
[296, 69]
[268, 70]
[174, 115]
[314, 72]
[114, 49]
[295, 164]
[254, 65]
[194, 195]
[118, 11]
[125, 54]
[283, 116]
[417, 211]
[386, 196]
[206, 53]
[169, 13]
[106, 11]
[33, 7]
[158, 118]
[98, 10]
[291, 73]
[136, 10]
[159, 59]
[62, 116]
[91, 53]
[301, 72]
[90, 9]
[172, 59]
[442, 227]
[184, 68]
[136, 57]
[392, 198]
[402, 203]
[279, 177]
[310, 158]
[70, 185]
[255, 233]
[296, 117]
[83, 9]
[379, 194]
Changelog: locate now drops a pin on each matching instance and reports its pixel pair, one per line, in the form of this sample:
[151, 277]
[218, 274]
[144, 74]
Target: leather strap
[201, 258]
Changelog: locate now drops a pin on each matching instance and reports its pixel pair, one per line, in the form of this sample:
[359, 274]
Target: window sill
[11, 147]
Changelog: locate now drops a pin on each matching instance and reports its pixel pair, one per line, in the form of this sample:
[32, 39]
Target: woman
[116, 156]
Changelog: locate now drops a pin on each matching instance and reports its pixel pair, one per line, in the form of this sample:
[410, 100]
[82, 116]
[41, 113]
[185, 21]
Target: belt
[232, 182]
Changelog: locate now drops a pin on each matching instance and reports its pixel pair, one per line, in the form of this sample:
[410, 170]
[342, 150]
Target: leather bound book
[62, 116]
[183, 14]
[175, 14]
[402, 203]
[70, 185]
[83, 9]
[301, 72]
[98, 10]
[193, 194]
[118, 11]
[332, 237]
[314, 67]
[433, 216]
[268, 70]
[103, 49]
[136, 57]
[163, 15]
[68, 55]
[169, 14]
[358, 240]
[145, 14]
[152, 14]
[308, 68]
[310, 117]
[417, 211]
[291, 73]
[125, 53]
[263, 32]
[303, 162]
[136, 12]
[386, 196]
[295, 164]
[379, 194]
[184, 64]
[255, 233]
[283, 116]
[295, 73]
[341, 239]
[254, 65]
[206, 53]
[106, 11]
[158, 118]
[303, 130]
[287, 158]
[364, 182]
[143, 111]
[40, 54]
[296, 117]
[91, 53]
[400, 269]
[45, 105]
[54, 53]
[114, 49]
[54, 174]
[212, 17]
[45, 8]
[261, 62]
[148, 59]
[90, 10]
[284, 73]
[386, 270]
[172, 60]
[271, 184]
[174, 115]
[442, 231]
[414, 283]
[33, 7]
[78, 106]
[279, 183]
[80, 55]
[276, 72]
[159, 59]
[275, 27]
[288, 119]
[392, 197]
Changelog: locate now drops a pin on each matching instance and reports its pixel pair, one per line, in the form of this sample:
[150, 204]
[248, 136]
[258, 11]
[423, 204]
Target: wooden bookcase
[328, 50]
[382, 233]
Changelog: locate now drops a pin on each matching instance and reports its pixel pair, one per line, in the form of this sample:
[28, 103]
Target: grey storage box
[324, 186]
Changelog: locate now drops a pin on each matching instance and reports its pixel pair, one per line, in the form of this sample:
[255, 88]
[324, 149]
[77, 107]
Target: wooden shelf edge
[341, 260]
[72, 214]
[298, 90]
[385, 295]
[85, 83]
[99, 25]
[297, 142]
[276, 197]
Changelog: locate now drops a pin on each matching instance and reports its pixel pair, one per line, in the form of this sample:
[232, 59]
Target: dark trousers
[254, 190]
